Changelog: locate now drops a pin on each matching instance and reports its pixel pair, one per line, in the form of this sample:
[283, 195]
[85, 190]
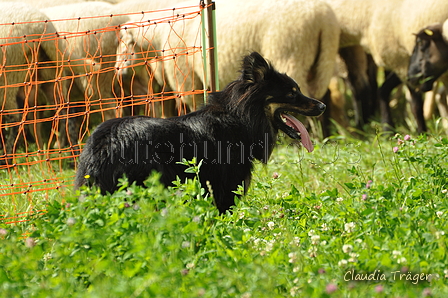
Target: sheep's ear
[431, 32]
[428, 32]
[255, 68]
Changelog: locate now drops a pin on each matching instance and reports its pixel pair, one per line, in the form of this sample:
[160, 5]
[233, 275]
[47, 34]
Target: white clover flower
[190, 265]
[439, 213]
[396, 253]
[358, 240]
[438, 234]
[297, 269]
[312, 252]
[349, 227]
[323, 243]
[270, 245]
[444, 190]
[311, 233]
[241, 215]
[347, 248]
[324, 227]
[47, 256]
[401, 260]
[339, 200]
[315, 239]
[294, 291]
[271, 225]
[71, 221]
[342, 263]
[292, 257]
[257, 241]
[353, 257]
[295, 241]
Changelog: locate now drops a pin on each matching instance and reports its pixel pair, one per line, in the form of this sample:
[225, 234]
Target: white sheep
[21, 49]
[139, 6]
[385, 28]
[141, 42]
[50, 3]
[91, 31]
[299, 36]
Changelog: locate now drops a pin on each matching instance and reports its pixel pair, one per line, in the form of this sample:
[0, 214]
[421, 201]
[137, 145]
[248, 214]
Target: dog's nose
[322, 107]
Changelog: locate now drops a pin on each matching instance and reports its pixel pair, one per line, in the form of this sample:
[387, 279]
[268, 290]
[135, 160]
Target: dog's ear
[255, 68]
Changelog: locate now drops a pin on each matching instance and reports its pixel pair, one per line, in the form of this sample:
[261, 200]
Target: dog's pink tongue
[298, 126]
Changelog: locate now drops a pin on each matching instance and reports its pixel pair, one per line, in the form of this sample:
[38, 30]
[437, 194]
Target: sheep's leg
[442, 102]
[11, 116]
[68, 132]
[417, 110]
[357, 66]
[103, 89]
[38, 98]
[392, 81]
[325, 117]
[429, 104]
[73, 127]
[372, 72]
[12, 134]
[442, 105]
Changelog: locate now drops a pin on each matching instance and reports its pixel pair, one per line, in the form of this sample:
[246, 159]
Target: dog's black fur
[237, 126]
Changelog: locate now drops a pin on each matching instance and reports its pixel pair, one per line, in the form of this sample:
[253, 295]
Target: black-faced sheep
[23, 46]
[429, 59]
[429, 62]
[385, 29]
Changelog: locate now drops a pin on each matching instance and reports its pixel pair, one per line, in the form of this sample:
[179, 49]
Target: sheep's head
[429, 58]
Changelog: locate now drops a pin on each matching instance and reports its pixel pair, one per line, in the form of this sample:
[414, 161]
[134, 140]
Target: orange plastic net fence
[61, 77]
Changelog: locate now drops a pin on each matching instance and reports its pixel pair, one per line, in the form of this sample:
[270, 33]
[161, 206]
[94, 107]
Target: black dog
[237, 126]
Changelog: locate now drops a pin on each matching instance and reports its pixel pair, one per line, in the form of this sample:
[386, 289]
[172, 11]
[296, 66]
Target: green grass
[309, 226]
